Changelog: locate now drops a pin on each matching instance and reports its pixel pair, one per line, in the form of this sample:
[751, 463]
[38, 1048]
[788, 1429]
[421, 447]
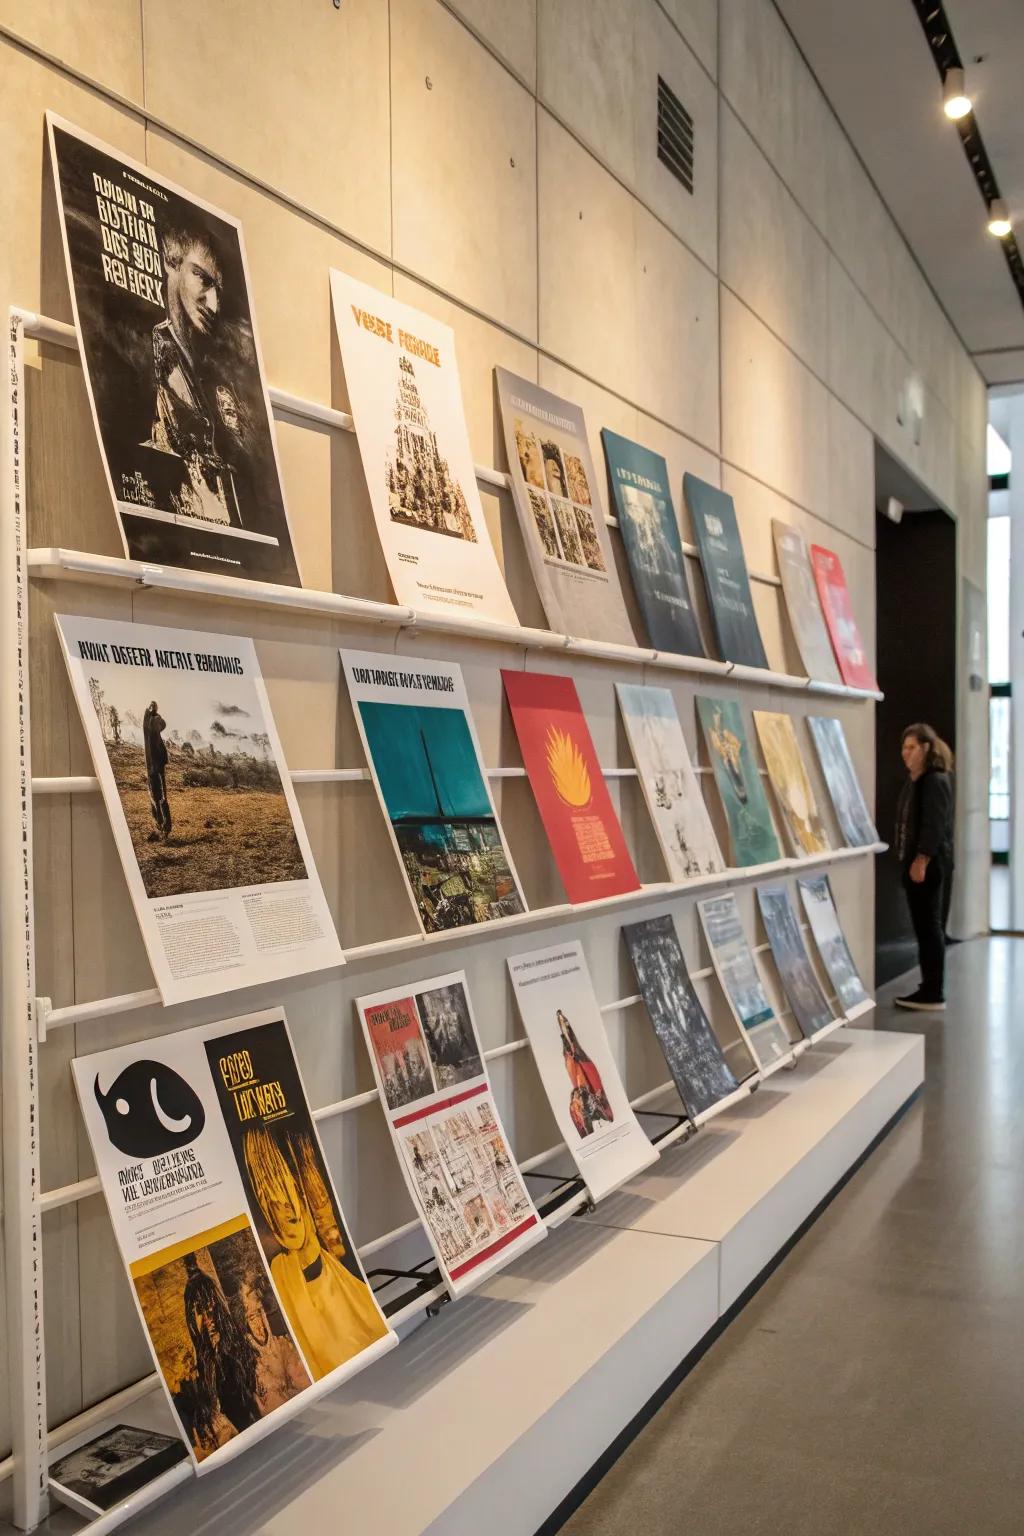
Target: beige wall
[494, 162]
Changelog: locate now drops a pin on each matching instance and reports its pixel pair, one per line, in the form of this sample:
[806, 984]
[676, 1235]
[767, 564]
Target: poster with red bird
[842, 626]
[569, 787]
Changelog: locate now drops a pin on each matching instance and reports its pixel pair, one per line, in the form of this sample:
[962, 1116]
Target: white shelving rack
[28, 1018]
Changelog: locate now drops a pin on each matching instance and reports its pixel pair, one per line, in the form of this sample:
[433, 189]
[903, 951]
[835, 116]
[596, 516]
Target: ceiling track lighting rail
[950, 66]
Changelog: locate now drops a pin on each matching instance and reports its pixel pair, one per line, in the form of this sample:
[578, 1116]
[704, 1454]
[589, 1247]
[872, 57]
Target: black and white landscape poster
[851, 808]
[161, 299]
[816, 895]
[201, 806]
[799, 980]
[692, 1051]
[113, 1466]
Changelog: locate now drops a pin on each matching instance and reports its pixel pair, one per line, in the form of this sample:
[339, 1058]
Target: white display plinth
[489, 1415]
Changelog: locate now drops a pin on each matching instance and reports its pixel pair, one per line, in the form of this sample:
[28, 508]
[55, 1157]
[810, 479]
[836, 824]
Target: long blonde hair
[940, 755]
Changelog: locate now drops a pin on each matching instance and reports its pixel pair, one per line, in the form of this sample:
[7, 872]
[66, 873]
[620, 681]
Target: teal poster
[739, 783]
[725, 573]
[647, 521]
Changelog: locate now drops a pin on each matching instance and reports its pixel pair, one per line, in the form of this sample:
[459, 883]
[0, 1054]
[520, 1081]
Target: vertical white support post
[22, 1223]
[1016, 434]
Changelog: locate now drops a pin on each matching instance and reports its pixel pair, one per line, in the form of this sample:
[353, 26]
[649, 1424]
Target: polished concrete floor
[876, 1381]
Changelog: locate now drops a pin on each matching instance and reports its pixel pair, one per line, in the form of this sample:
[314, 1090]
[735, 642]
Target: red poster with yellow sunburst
[566, 777]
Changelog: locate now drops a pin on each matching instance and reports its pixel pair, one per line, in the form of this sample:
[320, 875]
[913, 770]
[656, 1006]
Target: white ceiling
[873, 62]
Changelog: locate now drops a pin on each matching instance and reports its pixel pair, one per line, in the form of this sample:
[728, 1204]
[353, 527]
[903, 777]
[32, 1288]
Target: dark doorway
[915, 595]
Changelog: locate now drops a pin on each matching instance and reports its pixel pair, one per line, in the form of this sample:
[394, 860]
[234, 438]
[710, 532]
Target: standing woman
[924, 847]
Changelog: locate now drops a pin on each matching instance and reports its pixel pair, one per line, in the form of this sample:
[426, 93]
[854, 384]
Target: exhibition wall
[493, 164]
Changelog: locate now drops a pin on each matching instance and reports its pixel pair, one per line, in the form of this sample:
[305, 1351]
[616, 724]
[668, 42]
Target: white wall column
[1016, 444]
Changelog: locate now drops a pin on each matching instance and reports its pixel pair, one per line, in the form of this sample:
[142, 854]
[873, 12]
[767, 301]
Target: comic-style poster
[850, 650]
[673, 795]
[161, 301]
[847, 797]
[201, 806]
[792, 787]
[818, 903]
[560, 1014]
[654, 549]
[695, 1058]
[452, 1147]
[799, 979]
[802, 603]
[740, 978]
[754, 839]
[567, 782]
[417, 732]
[554, 485]
[403, 384]
[244, 1275]
[725, 573]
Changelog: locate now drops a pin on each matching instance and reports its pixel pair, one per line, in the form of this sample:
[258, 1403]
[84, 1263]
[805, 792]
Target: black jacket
[924, 818]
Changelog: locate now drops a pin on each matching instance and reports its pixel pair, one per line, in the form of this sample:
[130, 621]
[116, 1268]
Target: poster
[725, 573]
[572, 797]
[816, 895]
[248, 1288]
[113, 1466]
[160, 298]
[805, 616]
[673, 795]
[842, 626]
[554, 485]
[451, 1144]
[790, 782]
[418, 735]
[563, 1021]
[740, 978]
[200, 804]
[403, 385]
[692, 1052]
[799, 980]
[841, 777]
[650, 533]
[739, 783]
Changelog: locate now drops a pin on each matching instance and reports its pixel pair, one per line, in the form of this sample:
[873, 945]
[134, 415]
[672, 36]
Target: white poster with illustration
[250, 1293]
[671, 790]
[201, 806]
[740, 979]
[403, 387]
[562, 1019]
[451, 1144]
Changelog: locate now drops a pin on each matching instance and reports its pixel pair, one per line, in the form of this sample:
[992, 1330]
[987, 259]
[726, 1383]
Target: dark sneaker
[917, 1000]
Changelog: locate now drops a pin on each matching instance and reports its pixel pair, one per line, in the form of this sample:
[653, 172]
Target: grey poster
[851, 809]
[801, 593]
[816, 895]
[800, 983]
[160, 293]
[692, 1052]
[554, 485]
[725, 573]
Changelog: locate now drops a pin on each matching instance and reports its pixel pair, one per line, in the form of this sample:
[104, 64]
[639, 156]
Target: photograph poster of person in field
[201, 806]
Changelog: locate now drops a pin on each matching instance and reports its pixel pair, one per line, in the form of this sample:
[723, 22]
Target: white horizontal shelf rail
[62, 562]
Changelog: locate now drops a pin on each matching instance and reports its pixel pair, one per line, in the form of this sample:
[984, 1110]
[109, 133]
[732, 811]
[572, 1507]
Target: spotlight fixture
[955, 101]
[999, 218]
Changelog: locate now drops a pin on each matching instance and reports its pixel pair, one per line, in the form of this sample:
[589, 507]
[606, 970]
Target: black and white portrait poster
[554, 485]
[161, 299]
[453, 1149]
[201, 806]
[403, 384]
[561, 1016]
[247, 1285]
[694, 1056]
[799, 979]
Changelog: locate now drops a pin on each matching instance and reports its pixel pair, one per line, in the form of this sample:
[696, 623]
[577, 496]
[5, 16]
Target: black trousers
[929, 907]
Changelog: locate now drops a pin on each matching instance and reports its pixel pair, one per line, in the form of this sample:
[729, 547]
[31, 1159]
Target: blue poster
[647, 520]
[725, 573]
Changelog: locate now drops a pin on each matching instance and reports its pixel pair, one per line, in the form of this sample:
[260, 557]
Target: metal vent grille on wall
[675, 135]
